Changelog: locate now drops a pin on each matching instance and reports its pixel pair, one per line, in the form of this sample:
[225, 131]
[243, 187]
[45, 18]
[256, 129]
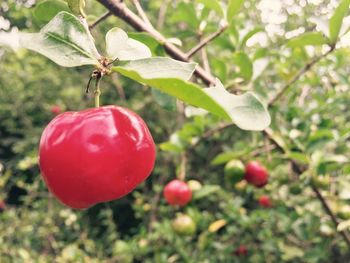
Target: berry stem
[97, 92]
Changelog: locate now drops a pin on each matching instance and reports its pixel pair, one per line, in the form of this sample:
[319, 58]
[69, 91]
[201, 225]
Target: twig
[123, 12]
[162, 12]
[182, 172]
[205, 60]
[100, 19]
[300, 73]
[142, 12]
[205, 41]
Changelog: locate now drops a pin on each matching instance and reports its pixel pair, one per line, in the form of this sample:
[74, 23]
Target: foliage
[261, 50]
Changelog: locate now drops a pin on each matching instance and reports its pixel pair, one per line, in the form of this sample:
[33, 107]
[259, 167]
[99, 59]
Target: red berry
[256, 174]
[2, 205]
[55, 109]
[241, 251]
[177, 192]
[265, 201]
[95, 155]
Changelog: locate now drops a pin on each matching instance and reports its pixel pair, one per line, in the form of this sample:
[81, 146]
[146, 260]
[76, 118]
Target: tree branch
[206, 41]
[301, 72]
[120, 10]
[141, 12]
[100, 19]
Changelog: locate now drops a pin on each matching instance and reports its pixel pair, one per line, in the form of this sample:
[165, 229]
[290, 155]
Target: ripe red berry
[265, 201]
[2, 205]
[95, 155]
[177, 192]
[241, 251]
[256, 174]
[55, 109]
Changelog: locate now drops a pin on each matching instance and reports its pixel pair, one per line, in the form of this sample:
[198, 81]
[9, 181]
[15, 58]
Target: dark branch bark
[100, 19]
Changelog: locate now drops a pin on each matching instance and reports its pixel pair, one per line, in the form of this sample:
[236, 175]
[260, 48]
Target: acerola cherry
[184, 225]
[95, 155]
[55, 109]
[256, 174]
[241, 251]
[177, 192]
[265, 201]
[234, 171]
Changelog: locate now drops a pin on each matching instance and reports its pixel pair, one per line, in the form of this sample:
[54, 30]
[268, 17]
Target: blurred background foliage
[312, 120]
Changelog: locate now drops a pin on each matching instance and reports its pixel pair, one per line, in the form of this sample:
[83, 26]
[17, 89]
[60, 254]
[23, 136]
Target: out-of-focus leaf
[233, 8]
[217, 225]
[205, 191]
[164, 100]
[336, 20]
[212, 5]
[310, 38]
[244, 64]
[44, 11]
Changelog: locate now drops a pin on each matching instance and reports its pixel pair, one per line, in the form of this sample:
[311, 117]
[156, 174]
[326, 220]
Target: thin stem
[141, 12]
[206, 41]
[100, 19]
[97, 92]
[161, 15]
[297, 76]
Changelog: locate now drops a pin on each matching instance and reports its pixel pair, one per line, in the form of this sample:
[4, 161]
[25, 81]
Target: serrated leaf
[336, 20]
[46, 10]
[233, 8]
[165, 74]
[310, 38]
[119, 45]
[65, 40]
[212, 5]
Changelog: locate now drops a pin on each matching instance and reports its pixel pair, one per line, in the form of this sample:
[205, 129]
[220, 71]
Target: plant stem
[97, 93]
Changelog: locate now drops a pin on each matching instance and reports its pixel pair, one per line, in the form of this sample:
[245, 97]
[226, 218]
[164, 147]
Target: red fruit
[55, 109]
[256, 174]
[241, 251]
[265, 201]
[177, 192]
[95, 155]
[2, 205]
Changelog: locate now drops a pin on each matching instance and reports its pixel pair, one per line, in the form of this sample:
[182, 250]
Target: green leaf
[46, 10]
[119, 45]
[244, 64]
[309, 38]
[212, 5]
[164, 100]
[233, 8]
[250, 34]
[64, 40]
[205, 191]
[168, 75]
[77, 6]
[155, 47]
[336, 20]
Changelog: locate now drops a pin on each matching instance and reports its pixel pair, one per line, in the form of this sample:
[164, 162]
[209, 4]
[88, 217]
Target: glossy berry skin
[55, 109]
[177, 192]
[95, 155]
[256, 174]
[265, 201]
[241, 251]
